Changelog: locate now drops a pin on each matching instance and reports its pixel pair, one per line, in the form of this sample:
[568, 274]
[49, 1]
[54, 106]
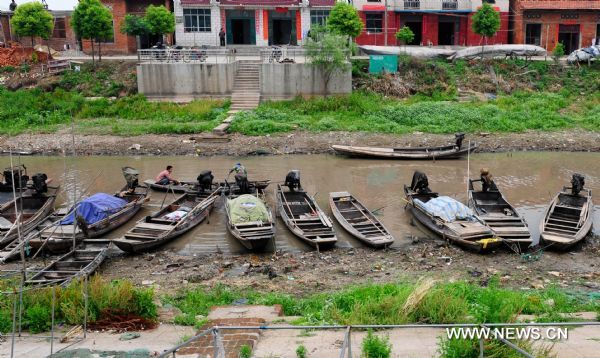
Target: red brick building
[122, 44]
[434, 22]
[62, 37]
[575, 23]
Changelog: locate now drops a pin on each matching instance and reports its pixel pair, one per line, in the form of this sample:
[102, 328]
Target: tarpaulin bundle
[95, 208]
[446, 208]
[246, 209]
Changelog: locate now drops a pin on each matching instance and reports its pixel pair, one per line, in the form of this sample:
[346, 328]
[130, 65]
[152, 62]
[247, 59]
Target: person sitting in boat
[165, 178]
[487, 183]
[238, 168]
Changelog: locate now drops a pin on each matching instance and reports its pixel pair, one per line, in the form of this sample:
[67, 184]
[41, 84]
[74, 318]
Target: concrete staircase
[246, 92]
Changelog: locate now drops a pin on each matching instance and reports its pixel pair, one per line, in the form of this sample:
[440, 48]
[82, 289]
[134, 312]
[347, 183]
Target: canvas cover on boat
[246, 209]
[96, 208]
[446, 208]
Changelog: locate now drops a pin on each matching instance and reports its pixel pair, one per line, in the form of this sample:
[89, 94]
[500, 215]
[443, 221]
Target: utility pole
[385, 23]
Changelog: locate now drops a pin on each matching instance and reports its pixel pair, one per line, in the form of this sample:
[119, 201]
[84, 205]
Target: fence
[197, 55]
[282, 55]
[346, 349]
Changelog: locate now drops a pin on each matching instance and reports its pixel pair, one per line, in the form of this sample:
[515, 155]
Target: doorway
[240, 27]
[533, 34]
[417, 29]
[446, 33]
[282, 31]
[569, 36]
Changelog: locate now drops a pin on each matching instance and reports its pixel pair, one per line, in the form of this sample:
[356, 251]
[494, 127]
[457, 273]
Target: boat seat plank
[551, 218]
[573, 227]
[153, 226]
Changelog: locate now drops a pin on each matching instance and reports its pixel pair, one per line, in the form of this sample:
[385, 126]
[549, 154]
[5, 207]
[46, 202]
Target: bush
[301, 351]
[376, 347]
[245, 351]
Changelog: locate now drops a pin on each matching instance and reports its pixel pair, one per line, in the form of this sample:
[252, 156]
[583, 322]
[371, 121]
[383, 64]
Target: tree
[160, 20]
[31, 19]
[329, 54]
[93, 21]
[405, 35]
[558, 52]
[486, 22]
[344, 20]
[135, 26]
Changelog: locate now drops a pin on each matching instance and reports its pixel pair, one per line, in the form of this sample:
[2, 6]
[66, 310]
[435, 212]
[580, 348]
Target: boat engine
[487, 183]
[420, 183]
[292, 180]
[242, 182]
[16, 176]
[205, 180]
[460, 137]
[131, 177]
[39, 183]
[577, 183]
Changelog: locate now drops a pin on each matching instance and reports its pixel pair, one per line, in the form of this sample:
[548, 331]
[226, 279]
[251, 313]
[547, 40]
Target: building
[62, 37]
[434, 22]
[247, 22]
[575, 23]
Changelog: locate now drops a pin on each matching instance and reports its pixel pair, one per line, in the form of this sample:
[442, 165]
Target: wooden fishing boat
[355, 218]
[499, 215]
[78, 263]
[568, 218]
[255, 228]
[305, 219]
[31, 208]
[468, 233]
[192, 186]
[452, 151]
[165, 225]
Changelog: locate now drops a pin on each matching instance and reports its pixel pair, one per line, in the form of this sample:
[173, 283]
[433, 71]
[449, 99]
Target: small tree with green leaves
[301, 351]
[344, 20]
[160, 20]
[405, 35]
[376, 347]
[486, 22]
[329, 54]
[93, 21]
[134, 25]
[33, 20]
[558, 52]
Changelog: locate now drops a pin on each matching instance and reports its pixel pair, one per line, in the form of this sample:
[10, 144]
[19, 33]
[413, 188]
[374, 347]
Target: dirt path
[289, 143]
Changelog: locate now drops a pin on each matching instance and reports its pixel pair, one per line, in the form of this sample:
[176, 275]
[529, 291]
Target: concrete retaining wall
[288, 80]
[176, 80]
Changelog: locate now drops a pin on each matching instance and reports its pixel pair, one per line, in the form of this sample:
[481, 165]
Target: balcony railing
[449, 4]
[193, 55]
[412, 4]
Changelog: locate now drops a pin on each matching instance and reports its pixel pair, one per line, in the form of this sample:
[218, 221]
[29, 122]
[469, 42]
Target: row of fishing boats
[29, 224]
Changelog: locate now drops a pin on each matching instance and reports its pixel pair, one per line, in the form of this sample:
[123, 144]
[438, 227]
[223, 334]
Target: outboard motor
[292, 180]
[39, 183]
[459, 137]
[131, 177]
[420, 183]
[242, 182]
[487, 183]
[16, 176]
[205, 180]
[577, 183]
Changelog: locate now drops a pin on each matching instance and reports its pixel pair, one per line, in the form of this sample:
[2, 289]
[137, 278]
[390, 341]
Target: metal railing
[449, 4]
[346, 349]
[192, 55]
[276, 54]
[412, 4]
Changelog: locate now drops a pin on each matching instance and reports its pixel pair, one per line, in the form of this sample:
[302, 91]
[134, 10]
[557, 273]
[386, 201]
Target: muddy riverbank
[298, 142]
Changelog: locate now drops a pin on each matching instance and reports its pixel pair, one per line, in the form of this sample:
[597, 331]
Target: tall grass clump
[374, 346]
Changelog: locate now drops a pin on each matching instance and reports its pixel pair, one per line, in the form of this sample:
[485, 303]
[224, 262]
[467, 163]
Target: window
[374, 22]
[319, 17]
[533, 34]
[373, 0]
[412, 4]
[60, 28]
[449, 4]
[196, 20]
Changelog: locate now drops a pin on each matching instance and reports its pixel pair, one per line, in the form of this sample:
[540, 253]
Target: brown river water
[528, 180]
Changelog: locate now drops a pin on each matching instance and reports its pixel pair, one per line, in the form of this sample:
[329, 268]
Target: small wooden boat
[192, 186]
[355, 218]
[452, 151]
[305, 219]
[167, 224]
[59, 239]
[78, 263]
[499, 215]
[468, 233]
[250, 221]
[31, 208]
[568, 218]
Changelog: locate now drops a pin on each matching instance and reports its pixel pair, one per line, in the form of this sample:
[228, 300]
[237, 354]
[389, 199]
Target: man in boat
[487, 183]
[165, 178]
[238, 168]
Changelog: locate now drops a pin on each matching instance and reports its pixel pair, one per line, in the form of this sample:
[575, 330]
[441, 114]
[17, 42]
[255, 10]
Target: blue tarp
[446, 208]
[96, 208]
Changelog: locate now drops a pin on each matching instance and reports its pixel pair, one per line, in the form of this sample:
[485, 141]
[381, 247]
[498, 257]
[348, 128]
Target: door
[240, 27]
[533, 34]
[568, 35]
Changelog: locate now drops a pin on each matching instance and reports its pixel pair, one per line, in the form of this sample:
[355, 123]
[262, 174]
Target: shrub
[245, 351]
[301, 351]
[376, 347]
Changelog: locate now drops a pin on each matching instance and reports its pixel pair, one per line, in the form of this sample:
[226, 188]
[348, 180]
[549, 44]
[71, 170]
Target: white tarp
[414, 51]
[584, 54]
[446, 208]
[499, 50]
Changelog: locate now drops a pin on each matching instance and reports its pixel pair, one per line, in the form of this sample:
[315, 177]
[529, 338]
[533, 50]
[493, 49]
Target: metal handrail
[188, 55]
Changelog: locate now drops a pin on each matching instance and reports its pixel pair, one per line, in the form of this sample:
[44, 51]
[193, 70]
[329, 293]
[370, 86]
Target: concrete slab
[268, 313]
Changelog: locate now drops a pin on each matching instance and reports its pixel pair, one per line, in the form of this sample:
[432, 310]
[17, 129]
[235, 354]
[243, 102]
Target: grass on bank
[38, 111]
[105, 297]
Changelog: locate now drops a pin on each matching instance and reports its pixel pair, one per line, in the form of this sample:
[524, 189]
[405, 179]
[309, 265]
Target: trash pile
[15, 56]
